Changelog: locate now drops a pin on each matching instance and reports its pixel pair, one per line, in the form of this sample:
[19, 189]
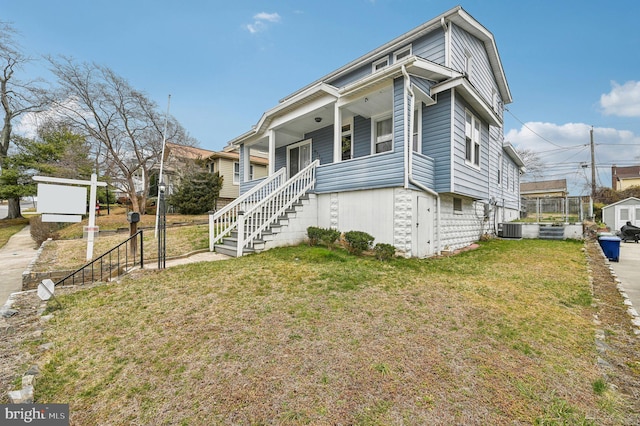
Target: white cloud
[565, 148]
[622, 100]
[260, 21]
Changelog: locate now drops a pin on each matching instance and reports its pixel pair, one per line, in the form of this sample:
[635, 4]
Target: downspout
[409, 158]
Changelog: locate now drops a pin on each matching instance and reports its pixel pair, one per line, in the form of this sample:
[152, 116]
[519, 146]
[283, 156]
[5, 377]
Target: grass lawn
[303, 335]
[8, 227]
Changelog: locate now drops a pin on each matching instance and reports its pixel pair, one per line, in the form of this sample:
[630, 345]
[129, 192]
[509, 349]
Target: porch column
[245, 163]
[337, 134]
[271, 134]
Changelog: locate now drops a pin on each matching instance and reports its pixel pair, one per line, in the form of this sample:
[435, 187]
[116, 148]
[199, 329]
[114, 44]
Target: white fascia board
[422, 96]
[301, 110]
[289, 104]
[513, 154]
[471, 95]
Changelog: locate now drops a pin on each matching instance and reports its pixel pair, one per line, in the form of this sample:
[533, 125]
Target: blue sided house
[405, 143]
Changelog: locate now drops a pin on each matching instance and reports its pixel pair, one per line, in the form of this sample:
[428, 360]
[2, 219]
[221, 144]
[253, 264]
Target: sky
[571, 65]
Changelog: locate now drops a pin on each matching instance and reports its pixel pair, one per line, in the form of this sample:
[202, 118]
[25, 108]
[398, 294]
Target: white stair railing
[255, 220]
[222, 222]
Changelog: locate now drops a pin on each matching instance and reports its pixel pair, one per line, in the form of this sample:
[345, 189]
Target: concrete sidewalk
[628, 271]
[15, 257]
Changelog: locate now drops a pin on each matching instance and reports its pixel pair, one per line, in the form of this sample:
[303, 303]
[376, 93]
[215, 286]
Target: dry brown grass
[67, 254]
[500, 335]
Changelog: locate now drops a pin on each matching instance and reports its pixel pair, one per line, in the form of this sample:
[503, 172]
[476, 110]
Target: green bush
[324, 235]
[329, 236]
[358, 241]
[384, 251]
[314, 233]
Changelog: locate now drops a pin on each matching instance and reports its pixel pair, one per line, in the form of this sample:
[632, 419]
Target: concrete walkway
[628, 271]
[15, 257]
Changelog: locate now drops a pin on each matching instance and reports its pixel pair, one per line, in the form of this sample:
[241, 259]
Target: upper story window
[402, 53]
[383, 135]
[347, 150]
[472, 132]
[380, 64]
[468, 63]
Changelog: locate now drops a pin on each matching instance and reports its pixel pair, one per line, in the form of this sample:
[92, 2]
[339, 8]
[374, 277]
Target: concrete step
[551, 233]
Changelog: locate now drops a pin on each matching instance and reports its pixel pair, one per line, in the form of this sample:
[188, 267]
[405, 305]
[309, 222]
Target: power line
[534, 132]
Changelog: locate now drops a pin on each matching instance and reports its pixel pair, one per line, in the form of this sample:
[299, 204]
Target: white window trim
[419, 120]
[378, 62]
[297, 145]
[347, 122]
[453, 202]
[472, 162]
[236, 181]
[401, 51]
[374, 142]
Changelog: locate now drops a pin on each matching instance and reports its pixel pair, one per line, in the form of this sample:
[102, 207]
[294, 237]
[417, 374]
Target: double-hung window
[472, 132]
[383, 135]
[236, 173]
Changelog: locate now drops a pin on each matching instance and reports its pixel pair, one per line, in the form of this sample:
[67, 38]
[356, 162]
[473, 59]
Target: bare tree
[533, 163]
[17, 97]
[123, 124]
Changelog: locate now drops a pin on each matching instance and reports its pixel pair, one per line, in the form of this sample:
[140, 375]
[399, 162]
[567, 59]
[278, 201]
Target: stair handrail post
[240, 242]
[211, 230]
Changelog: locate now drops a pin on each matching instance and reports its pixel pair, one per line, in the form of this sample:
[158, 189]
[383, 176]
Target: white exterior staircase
[250, 222]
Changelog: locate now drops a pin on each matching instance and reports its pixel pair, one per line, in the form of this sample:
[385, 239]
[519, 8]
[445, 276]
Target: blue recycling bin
[611, 247]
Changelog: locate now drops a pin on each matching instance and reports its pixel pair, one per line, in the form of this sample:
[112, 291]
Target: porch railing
[255, 220]
[222, 222]
[110, 264]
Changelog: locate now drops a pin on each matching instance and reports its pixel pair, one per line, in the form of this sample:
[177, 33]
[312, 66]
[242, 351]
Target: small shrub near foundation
[322, 235]
[384, 251]
[358, 241]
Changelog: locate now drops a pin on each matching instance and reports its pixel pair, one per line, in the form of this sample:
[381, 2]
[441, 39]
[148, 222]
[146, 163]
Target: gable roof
[189, 152]
[459, 17]
[629, 172]
[622, 201]
[558, 185]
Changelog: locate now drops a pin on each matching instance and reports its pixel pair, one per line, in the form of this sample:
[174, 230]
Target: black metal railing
[122, 256]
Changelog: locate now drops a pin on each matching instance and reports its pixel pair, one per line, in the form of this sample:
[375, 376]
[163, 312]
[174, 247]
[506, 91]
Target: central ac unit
[510, 230]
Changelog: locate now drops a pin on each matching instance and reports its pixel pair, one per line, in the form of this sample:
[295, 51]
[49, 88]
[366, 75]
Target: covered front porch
[359, 133]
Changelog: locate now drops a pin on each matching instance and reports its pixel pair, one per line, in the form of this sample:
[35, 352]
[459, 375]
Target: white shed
[618, 214]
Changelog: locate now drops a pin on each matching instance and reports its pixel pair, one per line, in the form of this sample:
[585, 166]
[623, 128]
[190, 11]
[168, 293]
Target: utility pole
[593, 177]
[593, 168]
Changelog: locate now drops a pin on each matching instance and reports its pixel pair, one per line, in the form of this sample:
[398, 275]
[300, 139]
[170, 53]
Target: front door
[298, 156]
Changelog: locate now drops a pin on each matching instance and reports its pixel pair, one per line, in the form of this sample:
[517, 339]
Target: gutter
[408, 91]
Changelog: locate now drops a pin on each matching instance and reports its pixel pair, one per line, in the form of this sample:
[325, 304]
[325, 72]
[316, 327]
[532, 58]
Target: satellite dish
[46, 289]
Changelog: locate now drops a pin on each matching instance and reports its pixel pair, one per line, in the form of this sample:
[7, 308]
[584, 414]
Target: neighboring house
[226, 163]
[405, 143]
[544, 189]
[624, 177]
[178, 158]
[618, 214]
